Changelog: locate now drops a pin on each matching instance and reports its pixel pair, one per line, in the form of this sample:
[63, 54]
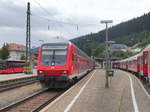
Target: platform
[4, 77]
[125, 94]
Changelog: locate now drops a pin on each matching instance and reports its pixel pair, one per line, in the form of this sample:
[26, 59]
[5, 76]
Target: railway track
[34, 102]
[14, 83]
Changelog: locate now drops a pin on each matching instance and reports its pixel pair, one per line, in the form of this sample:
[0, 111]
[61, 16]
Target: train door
[78, 64]
[127, 65]
[145, 63]
[138, 64]
[75, 65]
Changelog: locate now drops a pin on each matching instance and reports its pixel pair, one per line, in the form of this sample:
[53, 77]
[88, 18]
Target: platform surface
[125, 94]
[4, 77]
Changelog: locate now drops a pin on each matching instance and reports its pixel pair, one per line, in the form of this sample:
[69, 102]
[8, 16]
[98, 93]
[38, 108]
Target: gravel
[13, 95]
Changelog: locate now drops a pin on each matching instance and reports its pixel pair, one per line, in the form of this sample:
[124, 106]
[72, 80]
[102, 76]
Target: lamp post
[107, 51]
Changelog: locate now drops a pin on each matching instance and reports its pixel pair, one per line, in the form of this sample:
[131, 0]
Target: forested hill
[130, 32]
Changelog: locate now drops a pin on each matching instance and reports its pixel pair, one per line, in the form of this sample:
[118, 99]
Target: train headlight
[64, 71]
[40, 72]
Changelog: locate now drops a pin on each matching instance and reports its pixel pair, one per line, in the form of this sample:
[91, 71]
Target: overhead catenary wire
[47, 12]
[56, 21]
[61, 22]
[77, 26]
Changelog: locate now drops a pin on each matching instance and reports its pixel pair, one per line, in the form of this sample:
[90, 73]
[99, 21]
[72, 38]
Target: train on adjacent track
[60, 64]
[138, 64]
[9, 67]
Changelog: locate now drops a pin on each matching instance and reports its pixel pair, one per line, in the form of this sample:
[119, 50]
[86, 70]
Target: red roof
[16, 47]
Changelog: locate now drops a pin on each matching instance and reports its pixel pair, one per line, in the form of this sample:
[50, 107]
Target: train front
[52, 65]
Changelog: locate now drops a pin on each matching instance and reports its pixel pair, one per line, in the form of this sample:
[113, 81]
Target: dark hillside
[130, 32]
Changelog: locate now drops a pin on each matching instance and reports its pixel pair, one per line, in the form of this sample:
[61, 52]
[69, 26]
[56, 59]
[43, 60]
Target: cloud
[86, 14]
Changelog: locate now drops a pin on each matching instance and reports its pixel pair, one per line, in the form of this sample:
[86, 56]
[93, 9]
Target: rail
[33, 103]
[14, 83]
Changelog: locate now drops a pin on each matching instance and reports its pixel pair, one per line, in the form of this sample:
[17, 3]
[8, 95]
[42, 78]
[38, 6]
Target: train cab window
[46, 57]
[60, 57]
[54, 57]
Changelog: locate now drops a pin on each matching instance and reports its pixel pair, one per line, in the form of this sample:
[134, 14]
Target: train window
[145, 58]
[46, 52]
[73, 57]
[141, 59]
[138, 61]
[1, 66]
[46, 57]
[54, 47]
[4, 66]
[54, 57]
[60, 57]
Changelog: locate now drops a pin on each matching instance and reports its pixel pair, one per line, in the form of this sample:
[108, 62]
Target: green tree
[122, 54]
[131, 32]
[99, 51]
[5, 52]
[23, 57]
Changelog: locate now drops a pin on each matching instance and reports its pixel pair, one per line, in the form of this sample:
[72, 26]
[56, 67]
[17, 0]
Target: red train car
[138, 64]
[7, 67]
[62, 63]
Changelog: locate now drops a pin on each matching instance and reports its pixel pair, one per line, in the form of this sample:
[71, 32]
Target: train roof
[129, 59]
[62, 41]
[57, 43]
[58, 40]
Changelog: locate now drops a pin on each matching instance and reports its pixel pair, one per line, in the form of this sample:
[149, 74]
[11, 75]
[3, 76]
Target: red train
[62, 63]
[7, 67]
[138, 64]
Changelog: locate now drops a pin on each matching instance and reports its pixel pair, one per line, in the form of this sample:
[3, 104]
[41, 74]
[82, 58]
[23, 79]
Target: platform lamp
[107, 51]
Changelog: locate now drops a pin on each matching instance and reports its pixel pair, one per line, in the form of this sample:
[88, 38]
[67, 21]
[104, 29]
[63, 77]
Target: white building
[119, 47]
[136, 50]
[16, 51]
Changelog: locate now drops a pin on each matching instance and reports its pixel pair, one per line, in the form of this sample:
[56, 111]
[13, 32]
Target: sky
[51, 19]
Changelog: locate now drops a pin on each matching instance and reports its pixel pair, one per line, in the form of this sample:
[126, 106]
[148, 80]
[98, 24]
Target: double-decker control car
[61, 64]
